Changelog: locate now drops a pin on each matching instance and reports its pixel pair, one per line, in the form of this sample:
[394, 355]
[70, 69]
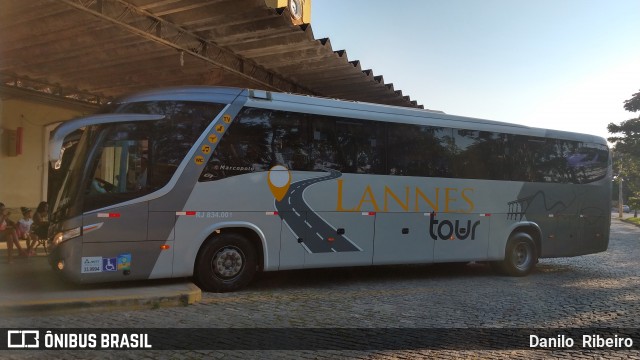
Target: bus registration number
[214, 214]
[91, 264]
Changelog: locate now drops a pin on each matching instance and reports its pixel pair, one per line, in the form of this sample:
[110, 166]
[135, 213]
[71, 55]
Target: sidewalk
[28, 286]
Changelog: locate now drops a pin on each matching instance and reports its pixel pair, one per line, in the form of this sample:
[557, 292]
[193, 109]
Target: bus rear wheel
[226, 263]
[520, 256]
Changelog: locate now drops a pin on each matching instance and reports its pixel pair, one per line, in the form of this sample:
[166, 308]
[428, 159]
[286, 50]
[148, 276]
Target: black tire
[226, 263]
[521, 256]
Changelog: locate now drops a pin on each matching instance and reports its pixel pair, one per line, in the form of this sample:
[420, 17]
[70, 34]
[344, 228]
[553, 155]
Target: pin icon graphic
[279, 180]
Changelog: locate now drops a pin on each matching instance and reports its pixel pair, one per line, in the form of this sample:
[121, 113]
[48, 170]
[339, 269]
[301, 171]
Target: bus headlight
[63, 236]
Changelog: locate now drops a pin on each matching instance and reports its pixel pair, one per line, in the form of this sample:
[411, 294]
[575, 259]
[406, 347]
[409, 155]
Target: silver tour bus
[219, 183]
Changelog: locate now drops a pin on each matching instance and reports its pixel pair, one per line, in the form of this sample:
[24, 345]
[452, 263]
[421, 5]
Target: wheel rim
[522, 256]
[228, 263]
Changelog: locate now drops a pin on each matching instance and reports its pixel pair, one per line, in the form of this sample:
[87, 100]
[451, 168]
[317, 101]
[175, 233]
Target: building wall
[23, 177]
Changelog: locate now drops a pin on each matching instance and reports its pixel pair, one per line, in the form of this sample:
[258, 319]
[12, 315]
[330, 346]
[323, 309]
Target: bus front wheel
[226, 263]
[520, 256]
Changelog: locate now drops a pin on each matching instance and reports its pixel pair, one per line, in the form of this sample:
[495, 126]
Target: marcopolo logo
[23, 339]
[452, 230]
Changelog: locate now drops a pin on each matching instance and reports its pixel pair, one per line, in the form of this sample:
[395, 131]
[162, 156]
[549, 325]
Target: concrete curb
[162, 296]
[29, 286]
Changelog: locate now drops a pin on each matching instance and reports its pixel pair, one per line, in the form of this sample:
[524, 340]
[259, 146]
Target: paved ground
[595, 291]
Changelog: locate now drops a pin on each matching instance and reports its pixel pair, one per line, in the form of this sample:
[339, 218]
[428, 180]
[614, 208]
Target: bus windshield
[117, 162]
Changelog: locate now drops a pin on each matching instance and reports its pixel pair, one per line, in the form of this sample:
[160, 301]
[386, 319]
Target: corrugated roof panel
[140, 44]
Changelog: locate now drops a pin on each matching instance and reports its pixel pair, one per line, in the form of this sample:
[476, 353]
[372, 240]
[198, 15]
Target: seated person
[41, 221]
[23, 230]
[8, 233]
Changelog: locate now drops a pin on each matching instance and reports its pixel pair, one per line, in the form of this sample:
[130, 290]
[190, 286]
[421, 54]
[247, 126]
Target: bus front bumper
[65, 259]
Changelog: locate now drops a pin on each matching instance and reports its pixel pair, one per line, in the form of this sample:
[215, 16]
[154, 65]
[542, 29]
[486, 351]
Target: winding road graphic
[518, 208]
[317, 235]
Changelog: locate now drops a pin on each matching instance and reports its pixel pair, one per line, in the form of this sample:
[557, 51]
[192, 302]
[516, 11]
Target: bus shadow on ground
[369, 274]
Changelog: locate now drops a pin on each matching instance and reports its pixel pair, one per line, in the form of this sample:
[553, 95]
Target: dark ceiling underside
[95, 49]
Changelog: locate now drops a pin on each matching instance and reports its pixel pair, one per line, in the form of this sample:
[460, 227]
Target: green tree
[633, 104]
[626, 147]
[634, 203]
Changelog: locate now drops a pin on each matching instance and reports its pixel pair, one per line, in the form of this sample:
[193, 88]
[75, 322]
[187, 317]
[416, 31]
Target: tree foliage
[633, 104]
[627, 168]
[634, 202]
[627, 137]
[626, 146]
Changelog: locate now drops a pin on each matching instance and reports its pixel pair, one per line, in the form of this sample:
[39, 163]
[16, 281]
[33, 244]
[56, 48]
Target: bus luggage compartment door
[402, 238]
[594, 233]
[339, 239]
[459, 237]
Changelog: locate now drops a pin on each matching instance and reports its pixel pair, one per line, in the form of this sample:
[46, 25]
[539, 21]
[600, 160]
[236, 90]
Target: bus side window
[416, 150]
[325, 151]
[523, 159]
[480, 155]
[347, 145]
[361, 145]
[404, 153]
[587, 162]
[290, 140]
[259, 139]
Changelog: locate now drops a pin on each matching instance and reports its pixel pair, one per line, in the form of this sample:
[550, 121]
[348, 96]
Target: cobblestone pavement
[594, 291]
